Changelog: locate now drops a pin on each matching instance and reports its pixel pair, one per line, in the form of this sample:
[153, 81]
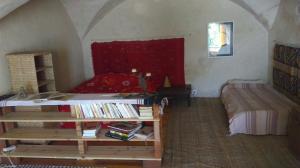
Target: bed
[114, 83]
[109, 83]
[255, 108]
[113, 62]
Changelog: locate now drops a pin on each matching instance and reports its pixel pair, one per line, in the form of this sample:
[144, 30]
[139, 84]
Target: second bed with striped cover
[256, 109]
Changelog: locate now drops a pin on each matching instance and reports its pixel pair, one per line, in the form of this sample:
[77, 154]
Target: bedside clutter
[294, 132]
[177, 92]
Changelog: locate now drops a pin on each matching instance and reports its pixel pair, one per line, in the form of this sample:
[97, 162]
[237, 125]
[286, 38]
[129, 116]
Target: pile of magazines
[123, 130]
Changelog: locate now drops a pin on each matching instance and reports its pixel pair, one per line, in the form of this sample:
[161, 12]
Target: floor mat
[40, 166]
[197, 137]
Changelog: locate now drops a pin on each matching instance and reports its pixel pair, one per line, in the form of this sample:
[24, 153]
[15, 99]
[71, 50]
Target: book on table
[144, 133]
[123, 130]
[145, 112]
[117, 136]
[90, 130]
[125, 127]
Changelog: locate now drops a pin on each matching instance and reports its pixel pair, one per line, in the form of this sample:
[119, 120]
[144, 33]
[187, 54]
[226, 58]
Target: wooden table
[177, 92]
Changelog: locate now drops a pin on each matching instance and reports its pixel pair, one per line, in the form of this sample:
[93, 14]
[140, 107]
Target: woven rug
[197, 137]
[39, 166]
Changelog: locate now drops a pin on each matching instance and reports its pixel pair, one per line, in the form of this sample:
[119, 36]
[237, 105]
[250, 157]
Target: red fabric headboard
[160, 57]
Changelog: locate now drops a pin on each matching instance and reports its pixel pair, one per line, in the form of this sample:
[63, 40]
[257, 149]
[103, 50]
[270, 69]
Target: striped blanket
[256, 109]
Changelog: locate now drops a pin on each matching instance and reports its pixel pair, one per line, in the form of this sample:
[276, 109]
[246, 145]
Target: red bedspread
[114, 83]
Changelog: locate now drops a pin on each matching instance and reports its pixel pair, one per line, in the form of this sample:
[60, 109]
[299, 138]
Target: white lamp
[148, 74]
[133, 70]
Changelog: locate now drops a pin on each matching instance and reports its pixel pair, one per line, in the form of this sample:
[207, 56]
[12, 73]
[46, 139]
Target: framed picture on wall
[220, 39]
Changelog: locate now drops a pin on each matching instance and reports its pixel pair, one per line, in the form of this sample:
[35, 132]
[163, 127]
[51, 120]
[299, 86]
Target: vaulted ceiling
[86, 14]
[94, 10]
[7, 6]
[264, 11]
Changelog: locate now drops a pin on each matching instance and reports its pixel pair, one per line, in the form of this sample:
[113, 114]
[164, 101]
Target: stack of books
[90, 130]
[146, 112]
[123, 130]
[106, 110]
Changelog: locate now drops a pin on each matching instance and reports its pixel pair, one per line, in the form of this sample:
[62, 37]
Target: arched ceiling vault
[86, 14]
[264, 11]
[7, 6]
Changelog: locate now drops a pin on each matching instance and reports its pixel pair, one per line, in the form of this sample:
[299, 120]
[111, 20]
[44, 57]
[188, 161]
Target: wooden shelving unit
[150, 153]
[142, 153]
[44, 82]
[58, 117]
[33, 71]
[39, 69]
[54, 134]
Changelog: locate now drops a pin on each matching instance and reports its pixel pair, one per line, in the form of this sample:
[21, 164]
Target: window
[220, 39]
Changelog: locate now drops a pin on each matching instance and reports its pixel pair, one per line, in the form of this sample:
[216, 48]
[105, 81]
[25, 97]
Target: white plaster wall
[82, 12]
[38, 26]
[286, 29]
[148, 19]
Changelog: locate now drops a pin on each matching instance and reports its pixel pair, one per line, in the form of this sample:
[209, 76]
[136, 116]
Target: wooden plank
[76, 99]
[120, 153]
[59, 134]
[157, 144]
[162, 134]
[156, 127]
[93, 152]
[45, 151]
[40, 134]
[28, 54]
[151, 164]
[9, 126]
[101, 137]
[27, 124]
[36, 117]
[28, 108]
[73, 111]
[82, 146]
[43, 68]
[78, 129]
[5, 127]
[44, 82]
[2, 130]
[56, 117]
[56, 135]
[156, 111]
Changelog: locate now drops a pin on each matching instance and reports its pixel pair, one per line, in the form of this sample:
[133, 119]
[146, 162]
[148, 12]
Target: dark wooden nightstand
[177, 92]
